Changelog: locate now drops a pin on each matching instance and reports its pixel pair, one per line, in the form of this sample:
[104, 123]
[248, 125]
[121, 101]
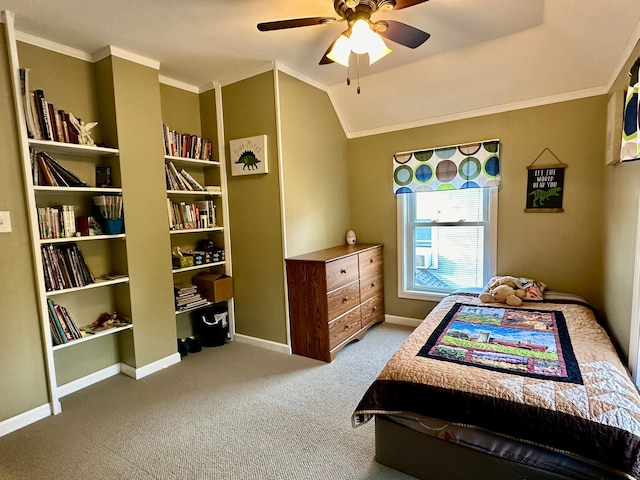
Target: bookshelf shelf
[194, 192]
[45, 241]
[186, 310]
[87, 190]
[97, 284]
[93, 336]
[197, 230]
[198, 267]
[72, 148]
[192, 162]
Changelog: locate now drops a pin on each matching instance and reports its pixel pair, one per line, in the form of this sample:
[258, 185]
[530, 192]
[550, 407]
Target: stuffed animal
[505, 289]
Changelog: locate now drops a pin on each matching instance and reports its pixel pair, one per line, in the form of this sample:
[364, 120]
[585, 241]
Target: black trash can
[212, 324]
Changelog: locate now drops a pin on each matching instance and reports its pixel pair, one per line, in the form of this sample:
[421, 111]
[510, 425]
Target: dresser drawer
[370, 262]
[342, 271]
[343, 327]
[371, 286]
[343, 299]
[373, 310]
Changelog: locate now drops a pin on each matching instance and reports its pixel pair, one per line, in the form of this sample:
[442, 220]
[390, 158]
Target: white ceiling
[483, 55]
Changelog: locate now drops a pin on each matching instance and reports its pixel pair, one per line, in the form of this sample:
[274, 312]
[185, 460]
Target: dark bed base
[427, 458]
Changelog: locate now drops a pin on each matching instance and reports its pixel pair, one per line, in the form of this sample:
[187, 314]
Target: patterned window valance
[472, 165]
[630, 147]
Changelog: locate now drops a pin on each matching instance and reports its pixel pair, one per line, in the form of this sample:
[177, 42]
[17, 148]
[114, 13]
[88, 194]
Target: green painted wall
[255, 214]
[139, 124]
[23, 371]
[314, 158]
[180, 109]
[620, 183]
[562, 249]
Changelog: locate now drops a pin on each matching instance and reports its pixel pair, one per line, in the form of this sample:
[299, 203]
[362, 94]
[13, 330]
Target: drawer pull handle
[345, 299]
[374, 309]
[373, 284]
[343, 271]
[346, 327]
[371, 261]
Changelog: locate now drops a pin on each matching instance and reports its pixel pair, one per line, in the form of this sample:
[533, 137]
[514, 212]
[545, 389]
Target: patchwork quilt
[543, 373]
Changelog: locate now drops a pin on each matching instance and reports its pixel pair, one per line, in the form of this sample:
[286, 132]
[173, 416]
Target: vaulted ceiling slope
[483, 56]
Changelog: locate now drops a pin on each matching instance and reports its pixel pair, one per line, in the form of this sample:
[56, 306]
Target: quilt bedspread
[543, 373]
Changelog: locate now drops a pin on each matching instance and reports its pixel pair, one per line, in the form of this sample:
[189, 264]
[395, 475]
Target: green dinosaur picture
[249, 155]
[545, 187]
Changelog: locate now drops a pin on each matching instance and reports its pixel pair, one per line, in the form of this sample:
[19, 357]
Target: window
[446, 240]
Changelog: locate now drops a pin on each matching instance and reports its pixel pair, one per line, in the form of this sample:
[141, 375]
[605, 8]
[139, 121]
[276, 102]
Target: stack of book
[187, 297]
[64, 267]
[186, 216]
[57, 222]
[186, 145]
[47, 171]
[63, 328]
[181, 179]
[44, 121]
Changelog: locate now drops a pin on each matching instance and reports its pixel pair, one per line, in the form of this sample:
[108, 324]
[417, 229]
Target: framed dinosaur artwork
[249, 155]
[545, 186]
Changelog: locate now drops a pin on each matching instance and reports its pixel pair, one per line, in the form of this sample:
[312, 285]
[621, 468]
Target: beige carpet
[230, 412]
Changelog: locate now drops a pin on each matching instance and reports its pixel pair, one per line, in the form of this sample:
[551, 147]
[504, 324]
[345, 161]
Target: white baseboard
[397, 320]
[84, 382]
[259, 342]
[151, 368]
[27, 418]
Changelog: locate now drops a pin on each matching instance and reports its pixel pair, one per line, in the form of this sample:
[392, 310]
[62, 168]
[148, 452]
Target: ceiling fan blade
[294, 22]
[403, 34]
[400, 4]
[326, 60]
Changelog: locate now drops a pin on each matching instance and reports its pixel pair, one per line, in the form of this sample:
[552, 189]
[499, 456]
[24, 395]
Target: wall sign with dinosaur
[545, 186]
[249, 155]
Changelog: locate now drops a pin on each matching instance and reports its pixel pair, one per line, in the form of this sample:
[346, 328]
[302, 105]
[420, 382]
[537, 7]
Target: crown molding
[110, 50]
[53, 46]
[172, 82]
[303, 78]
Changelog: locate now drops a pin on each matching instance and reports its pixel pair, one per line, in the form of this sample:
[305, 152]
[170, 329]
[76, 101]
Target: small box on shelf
[182, 262]
[213, 286]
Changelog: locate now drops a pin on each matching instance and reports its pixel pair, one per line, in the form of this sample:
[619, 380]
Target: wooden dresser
[335, 295]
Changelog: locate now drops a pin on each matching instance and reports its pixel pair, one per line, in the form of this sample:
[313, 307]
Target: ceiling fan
[357, 14]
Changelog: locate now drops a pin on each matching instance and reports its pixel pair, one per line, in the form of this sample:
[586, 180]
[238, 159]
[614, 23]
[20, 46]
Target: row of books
[64, 267]
[47, 171]
[109, 206]
[180, 179]
[63, 327]
[186, 145]
[44, 121]
[185, 216]
[187, 297]
[57, 222]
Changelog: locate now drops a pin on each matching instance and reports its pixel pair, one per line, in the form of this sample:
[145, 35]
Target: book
[26, 102]
[103, 176]
[72, 178]
[192, 181]
[43, 114]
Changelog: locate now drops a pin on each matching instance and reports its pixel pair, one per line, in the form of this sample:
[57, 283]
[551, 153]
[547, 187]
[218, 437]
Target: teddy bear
[505, 289]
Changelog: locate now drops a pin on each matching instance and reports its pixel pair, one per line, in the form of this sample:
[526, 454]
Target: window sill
[424, 296]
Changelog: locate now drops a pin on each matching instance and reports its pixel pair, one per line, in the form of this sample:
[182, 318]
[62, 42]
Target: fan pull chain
[358, 73]
[348, 76]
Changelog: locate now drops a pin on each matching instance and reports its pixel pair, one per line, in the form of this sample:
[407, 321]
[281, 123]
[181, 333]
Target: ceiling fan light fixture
[377, 49]
[341, 51]
[361, 36]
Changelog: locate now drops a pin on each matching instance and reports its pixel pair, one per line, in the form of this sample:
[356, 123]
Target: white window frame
[492, 251]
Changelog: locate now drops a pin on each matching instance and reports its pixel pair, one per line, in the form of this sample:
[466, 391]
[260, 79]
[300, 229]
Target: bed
[493, 391]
